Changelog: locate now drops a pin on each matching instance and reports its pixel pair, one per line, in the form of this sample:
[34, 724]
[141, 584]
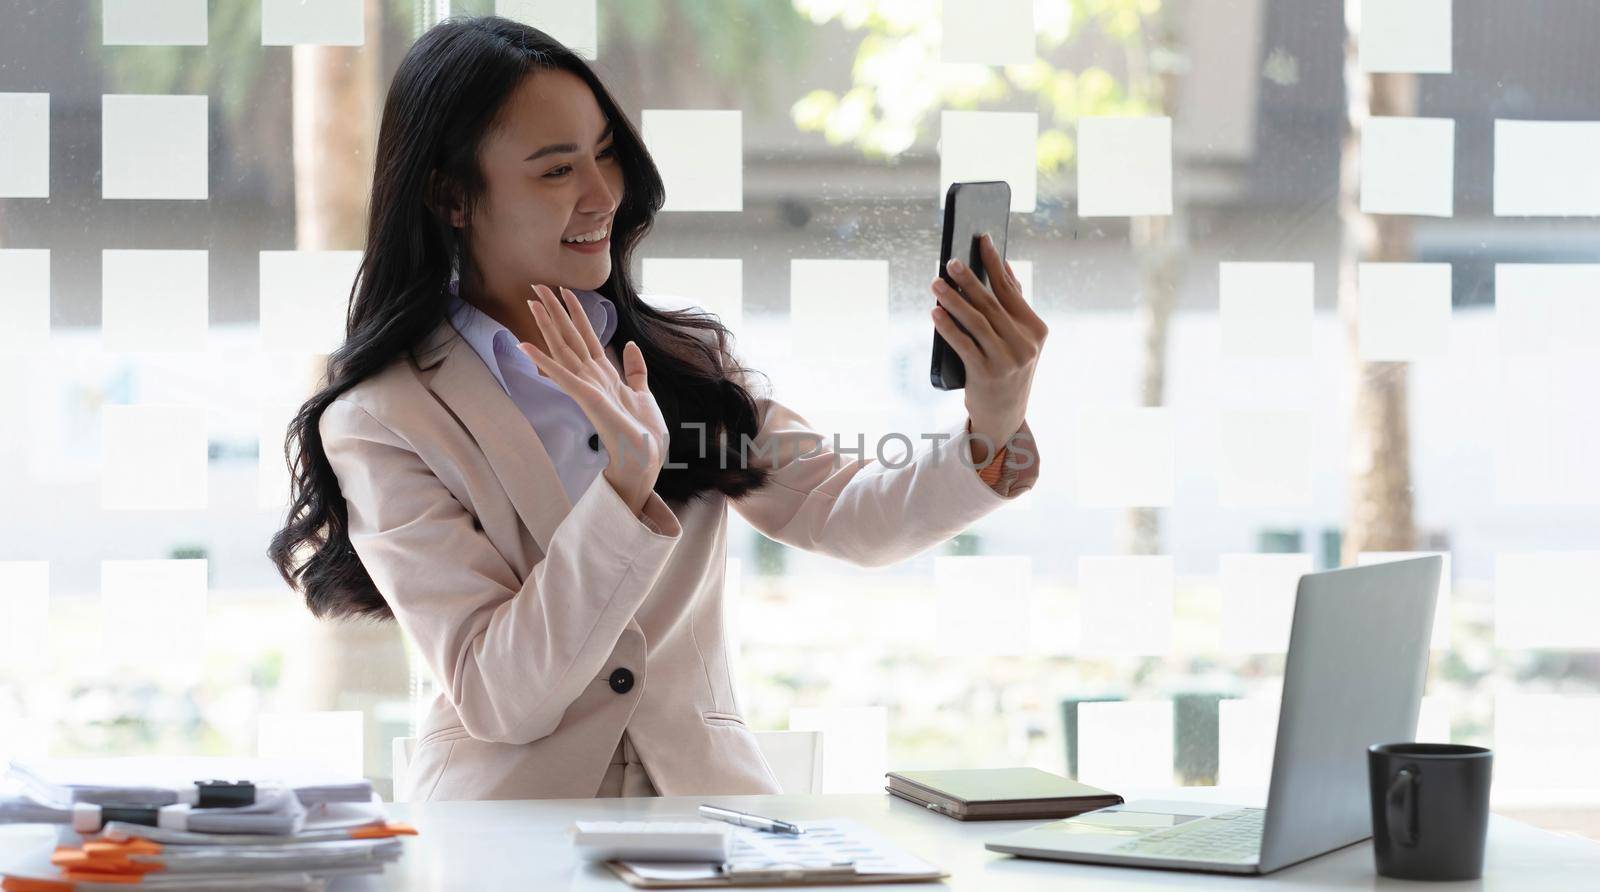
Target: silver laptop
[1358, 658]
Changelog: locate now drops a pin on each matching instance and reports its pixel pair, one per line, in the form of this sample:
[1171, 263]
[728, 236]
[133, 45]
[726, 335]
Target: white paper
[987, 32]
[25, 634]
[1265, 458]
[572, 22]
[153, 613]
[25, 150]
[153, 457]
[154, 300]
[1546, 741]
[1405, 35]
[839, 309]
[304, 298]
[1124, 457]
[715, 284]
[1547, 308]
[855, 745]
[331, 740]
[1547, 599]
[332, 22]
[1408, 166]
[1126, 605]
[153, 147]
[826, 842]
[1546, 442]
[983, 604]
[975, 146]
[1266, 308]
[700, 153]
[1124, 166]
[153, 22]
[1440, 639]
[25, 299]
[1546, 168]
[1258, 594]
[1125, 744]
[1404, 311]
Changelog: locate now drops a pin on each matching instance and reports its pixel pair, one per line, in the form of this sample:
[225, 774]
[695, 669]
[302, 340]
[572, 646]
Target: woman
[485, 463]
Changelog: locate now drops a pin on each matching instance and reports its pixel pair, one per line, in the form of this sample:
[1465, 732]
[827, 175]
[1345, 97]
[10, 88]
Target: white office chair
[795, 757]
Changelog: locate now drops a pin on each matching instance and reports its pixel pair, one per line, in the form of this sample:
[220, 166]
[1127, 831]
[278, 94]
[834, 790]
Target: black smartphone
[970, 210]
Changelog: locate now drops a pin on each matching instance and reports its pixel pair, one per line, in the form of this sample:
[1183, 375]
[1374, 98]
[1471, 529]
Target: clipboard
[791, 877]
[833, 852]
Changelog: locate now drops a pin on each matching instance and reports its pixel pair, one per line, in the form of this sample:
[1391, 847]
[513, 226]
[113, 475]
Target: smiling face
[550, 173]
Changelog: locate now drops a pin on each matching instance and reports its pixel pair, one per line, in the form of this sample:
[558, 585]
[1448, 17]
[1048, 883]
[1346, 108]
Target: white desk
[522, 845]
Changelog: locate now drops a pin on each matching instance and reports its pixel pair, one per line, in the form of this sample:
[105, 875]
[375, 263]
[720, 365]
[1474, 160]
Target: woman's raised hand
[621, 407]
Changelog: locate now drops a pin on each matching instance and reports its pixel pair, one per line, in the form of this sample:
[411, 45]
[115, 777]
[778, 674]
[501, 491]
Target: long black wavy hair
[446, 95]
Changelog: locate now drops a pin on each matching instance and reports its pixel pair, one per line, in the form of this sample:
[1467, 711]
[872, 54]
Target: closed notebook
[995, 794]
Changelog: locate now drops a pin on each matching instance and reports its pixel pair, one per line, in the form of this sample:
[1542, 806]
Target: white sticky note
[984, 604]
[25, 604]
[1124, 457]
[153, 300]
[153, 458]
[153, 22]
[1125, 744]
[1266, 308]
[987, 32]
[1546, 168]
[1125, 604]
[855, 745]
[153, 612]
[1024, 272]
[1547, 599]
[1247, 738]
[331, 22]
[25, 300]
[1440, 639]
[1404, 311]
[272, 478]
[975, 146]
[1547, 308]
[153, 147]
[1124, 166]
[331, 740]
[1433, 720]
[700, 153]
[572, 22]
[1546, 741]
[1265, 458]
[1408, 166]
[25, 148]
[1258, 593]
[304, 298]
[1405, 35]
[839, 308]
[1545, 437]
[714, 284]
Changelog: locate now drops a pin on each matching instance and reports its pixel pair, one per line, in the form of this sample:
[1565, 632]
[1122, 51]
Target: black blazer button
[622, 681]
[594, 442]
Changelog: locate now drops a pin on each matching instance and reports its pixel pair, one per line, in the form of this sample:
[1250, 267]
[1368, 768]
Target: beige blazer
[551, 627]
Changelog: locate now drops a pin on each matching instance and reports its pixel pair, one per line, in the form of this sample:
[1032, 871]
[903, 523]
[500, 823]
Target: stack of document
[297, 830]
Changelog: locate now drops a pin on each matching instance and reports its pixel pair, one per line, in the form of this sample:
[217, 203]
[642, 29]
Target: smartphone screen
[970, 210]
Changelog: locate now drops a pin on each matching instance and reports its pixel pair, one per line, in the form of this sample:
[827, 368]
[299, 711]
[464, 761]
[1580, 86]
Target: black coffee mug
[1430, 809]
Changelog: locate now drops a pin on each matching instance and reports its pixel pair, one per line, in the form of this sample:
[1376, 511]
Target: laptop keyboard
[1231, 836]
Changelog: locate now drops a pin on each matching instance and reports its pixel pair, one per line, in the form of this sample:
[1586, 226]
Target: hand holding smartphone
[970, 210]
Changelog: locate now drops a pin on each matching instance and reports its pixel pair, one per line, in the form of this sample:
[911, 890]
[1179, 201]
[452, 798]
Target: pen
[742, 819]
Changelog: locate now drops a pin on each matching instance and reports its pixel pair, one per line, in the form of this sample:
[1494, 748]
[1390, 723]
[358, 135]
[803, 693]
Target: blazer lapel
[514, 451]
